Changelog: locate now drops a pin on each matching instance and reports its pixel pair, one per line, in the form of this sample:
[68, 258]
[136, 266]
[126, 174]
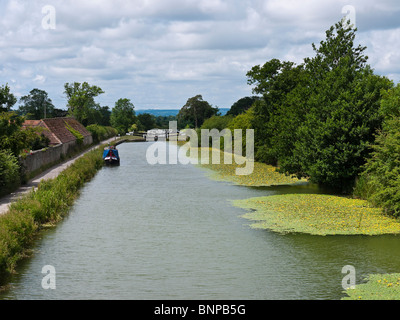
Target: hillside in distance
[170, 112]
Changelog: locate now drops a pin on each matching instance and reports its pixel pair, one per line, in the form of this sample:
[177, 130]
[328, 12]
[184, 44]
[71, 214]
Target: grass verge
[48, 204]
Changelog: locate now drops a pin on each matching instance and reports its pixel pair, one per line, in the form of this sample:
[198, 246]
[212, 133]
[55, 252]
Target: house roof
[31, 123]
[58, 131]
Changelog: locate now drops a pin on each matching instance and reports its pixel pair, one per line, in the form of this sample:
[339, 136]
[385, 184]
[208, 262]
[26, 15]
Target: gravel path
[48, 174]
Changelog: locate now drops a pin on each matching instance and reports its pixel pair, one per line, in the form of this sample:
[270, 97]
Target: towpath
[51, 173]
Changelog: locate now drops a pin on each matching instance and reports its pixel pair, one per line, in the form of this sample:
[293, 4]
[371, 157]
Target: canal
[140, 231]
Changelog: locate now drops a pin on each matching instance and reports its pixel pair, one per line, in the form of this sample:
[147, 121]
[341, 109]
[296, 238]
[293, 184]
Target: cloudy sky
[159, 53]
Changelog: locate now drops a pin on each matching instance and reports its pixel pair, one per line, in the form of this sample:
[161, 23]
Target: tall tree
[37, 105]
[81, 101]
[123, 115]
[274, 81]
[7, 99]
[242, 105]
[195, 111]
[318, 119]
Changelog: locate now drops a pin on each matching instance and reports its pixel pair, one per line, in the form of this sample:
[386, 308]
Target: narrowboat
[111, 156]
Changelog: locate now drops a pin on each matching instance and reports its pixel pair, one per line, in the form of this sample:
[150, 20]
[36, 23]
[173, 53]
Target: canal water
[141, 231]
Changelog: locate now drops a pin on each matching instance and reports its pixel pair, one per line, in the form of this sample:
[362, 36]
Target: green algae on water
[377, 287]
[317, 215]
[262, 175]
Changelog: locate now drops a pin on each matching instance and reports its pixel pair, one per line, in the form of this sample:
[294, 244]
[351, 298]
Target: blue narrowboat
[111, 156]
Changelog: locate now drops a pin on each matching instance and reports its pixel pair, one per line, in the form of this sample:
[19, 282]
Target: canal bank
[50, 173]
[43, 204]
[53, 172]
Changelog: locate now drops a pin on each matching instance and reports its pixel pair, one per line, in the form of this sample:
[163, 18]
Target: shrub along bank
[48, 204]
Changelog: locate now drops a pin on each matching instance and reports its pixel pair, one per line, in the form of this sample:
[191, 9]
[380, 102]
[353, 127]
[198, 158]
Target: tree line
[330, 119]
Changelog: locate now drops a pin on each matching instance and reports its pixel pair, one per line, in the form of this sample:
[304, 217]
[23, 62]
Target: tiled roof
[58, 129]
[31, 123]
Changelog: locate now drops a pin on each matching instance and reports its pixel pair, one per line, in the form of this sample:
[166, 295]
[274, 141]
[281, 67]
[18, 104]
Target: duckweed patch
[378, 287]
[317, 215]
[261, 175]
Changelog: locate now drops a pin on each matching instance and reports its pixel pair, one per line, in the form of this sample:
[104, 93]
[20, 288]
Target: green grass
[46, 205]
[317, 215]
[378, 287]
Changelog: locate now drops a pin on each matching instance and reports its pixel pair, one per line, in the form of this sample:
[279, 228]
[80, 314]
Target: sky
[159, 53]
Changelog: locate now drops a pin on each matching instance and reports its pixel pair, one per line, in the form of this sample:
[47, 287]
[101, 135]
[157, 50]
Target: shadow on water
[297, 188]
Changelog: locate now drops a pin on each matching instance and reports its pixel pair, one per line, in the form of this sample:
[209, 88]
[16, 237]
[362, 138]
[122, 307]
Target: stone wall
[42, 158]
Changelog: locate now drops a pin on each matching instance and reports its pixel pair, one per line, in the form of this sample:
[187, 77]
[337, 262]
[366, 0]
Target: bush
[100, 133]
[9, 172]
[383, 169]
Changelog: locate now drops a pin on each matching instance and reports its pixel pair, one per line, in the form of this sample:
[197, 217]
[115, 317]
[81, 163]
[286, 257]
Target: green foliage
[383, 168]
[318, 119]
[16, 233]
[242, 105]
[35, 138]
[390, 104]
[11, 136]
[9, 172]
[243, 121]
[123, 115]
[217, 122]
[146, 121]
[37, 105]
[81, 103]
[77, 134]
[100, 133]
[162, 122]
[195, 112]
[380, 182]
[7, 99]
[279, 111]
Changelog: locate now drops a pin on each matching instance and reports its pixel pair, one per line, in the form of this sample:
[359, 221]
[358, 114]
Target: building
[67, 132]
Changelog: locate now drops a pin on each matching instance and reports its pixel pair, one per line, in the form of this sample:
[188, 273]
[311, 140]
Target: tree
[37, 105]
[12, 138]
[81, 102]
[9, 172]
[217, 122]
[59, 113]
[343, 116]
[146, 121]
[318, 119]
[275, 80]
[242, 105]
[381, 183]
[105, 114]
[7, 99]
[123, 115]
[195, 111]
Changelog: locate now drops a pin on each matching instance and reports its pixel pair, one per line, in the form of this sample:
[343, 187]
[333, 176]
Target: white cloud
[159, 53]
[40, 79]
